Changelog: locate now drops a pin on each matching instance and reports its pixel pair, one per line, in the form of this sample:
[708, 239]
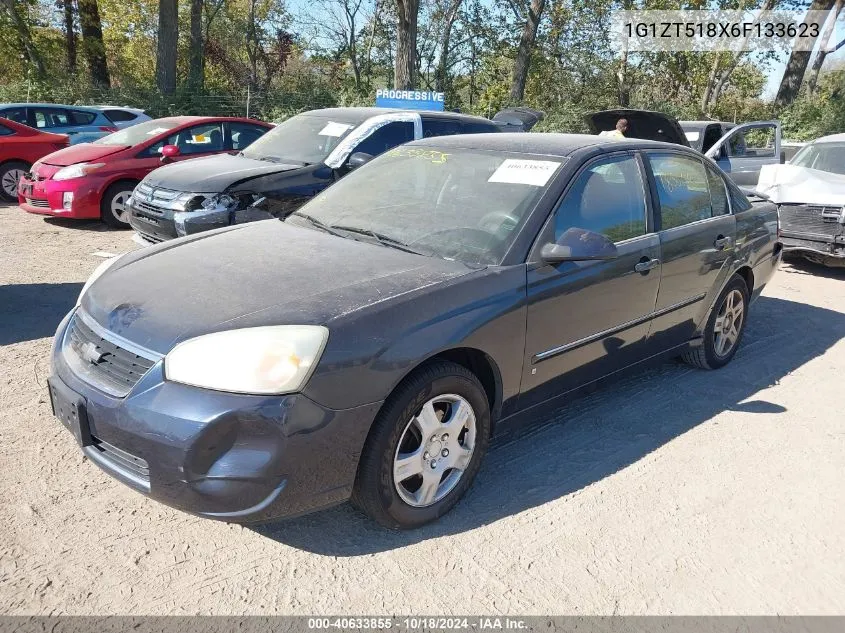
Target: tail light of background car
[108, 128]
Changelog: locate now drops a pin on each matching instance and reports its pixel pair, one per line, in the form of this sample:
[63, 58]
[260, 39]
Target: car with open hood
[290, 165]
[369, 345]
[740, 150]
[94, 180]
[810, 194]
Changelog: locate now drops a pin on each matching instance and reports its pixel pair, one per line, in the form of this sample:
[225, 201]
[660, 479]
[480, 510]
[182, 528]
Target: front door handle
[722, 242]
[646, 265]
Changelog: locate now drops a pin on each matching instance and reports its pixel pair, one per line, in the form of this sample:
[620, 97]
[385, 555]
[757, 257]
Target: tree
[404, 73]
[441, 73]
[92, 42]
[818, 62]
[70, 36]
[793, 75]
[25, 37]
[196, 61]
[166, 52]
[526, 48]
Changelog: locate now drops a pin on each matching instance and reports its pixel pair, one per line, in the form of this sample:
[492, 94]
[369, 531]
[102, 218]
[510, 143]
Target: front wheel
[425, 447]
[113, 205]
[724, 329]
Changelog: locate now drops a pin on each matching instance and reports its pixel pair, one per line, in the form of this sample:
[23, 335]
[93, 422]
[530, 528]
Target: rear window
[119, 116]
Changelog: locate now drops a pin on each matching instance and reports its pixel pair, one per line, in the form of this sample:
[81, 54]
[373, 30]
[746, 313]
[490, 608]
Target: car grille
[35, 202]
[810, 219]
[116, 368]
[121, 460]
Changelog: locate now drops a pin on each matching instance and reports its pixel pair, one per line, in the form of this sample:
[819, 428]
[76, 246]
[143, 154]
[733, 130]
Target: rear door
[697, 238]
[588, 319]
[746, 148]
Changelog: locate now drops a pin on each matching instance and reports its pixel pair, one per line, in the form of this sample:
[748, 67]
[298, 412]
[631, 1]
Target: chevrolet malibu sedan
[94, 180]
[370, 345]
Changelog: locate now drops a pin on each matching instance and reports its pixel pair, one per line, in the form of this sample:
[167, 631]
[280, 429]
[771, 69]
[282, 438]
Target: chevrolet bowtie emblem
[90, 353]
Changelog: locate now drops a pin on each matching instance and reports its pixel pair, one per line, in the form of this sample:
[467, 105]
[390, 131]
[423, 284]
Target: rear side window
[4, 131]
[739, 201]
[718, 193]
[682, 188]
[607, 198]
[476, 127]
[119, 116]
[440, 127]
[242, 135]
[78, 117]
[387, 137]
[18, 115]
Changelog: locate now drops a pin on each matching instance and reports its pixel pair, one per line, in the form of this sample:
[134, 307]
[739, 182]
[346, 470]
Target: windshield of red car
[137, 133]
[460, 204]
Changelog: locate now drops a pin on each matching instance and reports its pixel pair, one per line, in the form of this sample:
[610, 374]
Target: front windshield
[305, 138]
[823, 156]
[466, 205]
[137, 133]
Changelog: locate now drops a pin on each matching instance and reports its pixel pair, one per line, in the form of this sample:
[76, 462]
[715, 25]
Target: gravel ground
[674, 491]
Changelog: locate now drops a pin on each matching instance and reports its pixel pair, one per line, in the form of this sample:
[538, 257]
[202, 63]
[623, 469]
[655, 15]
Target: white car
[810, 194]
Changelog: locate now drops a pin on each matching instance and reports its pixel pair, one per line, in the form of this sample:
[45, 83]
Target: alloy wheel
[434, 450]
[10, 182]
[118, 205]
[728, 323]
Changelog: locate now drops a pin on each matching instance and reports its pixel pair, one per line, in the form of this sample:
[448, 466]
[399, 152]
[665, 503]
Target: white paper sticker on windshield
[524, 172]
[334, 129]
[157, 130]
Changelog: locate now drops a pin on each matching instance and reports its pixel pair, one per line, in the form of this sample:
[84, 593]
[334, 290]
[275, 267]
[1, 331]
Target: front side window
[198, 139]
[608, 198]
[682, 189]
[460, 204]
[386, 137]
[46, 118]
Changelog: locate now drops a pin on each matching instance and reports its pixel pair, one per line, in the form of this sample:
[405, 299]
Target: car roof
[361, 114]
[832, 138]
[49, 105]
[112, 107]
[548, 144]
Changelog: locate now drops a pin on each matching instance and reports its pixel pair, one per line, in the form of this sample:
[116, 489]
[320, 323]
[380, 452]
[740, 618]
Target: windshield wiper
[381, 238]
[316, 223]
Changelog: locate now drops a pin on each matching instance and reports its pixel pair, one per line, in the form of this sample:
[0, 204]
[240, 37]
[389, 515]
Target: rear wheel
[10, 176]
[724, 328]
[113, 205]
[425, 447]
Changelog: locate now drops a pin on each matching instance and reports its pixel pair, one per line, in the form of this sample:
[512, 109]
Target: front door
[697, 240]
[587, 319]
[746, 148]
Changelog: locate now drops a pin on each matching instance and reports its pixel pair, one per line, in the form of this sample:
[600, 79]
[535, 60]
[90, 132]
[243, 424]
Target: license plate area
[69, 408]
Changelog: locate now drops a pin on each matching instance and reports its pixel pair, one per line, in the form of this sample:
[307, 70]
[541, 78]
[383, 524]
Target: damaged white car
[810, 194]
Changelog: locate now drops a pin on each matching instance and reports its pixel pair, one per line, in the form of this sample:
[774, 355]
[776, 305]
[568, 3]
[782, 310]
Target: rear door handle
[722, 242]
[647, 265]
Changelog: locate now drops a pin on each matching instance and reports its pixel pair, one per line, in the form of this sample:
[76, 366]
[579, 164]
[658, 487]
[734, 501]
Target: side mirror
[169, 152]
[358, 159]
[577, 245]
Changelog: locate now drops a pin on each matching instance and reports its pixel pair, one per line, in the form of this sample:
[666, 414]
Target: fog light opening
[67, 200]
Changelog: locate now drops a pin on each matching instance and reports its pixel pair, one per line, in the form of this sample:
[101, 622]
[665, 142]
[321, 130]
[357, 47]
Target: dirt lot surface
[674, 491]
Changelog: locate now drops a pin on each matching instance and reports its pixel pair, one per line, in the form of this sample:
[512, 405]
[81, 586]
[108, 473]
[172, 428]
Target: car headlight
[274, 359]
[180, 203]
[98, 272]
[76, 171]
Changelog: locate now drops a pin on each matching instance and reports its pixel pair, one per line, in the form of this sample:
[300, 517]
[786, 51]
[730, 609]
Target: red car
[93, 180]
[20, 146]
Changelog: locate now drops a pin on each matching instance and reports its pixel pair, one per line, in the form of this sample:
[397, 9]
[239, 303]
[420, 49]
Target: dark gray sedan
[369, 346]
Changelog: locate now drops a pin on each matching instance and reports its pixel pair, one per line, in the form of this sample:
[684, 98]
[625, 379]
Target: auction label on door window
[524, 172]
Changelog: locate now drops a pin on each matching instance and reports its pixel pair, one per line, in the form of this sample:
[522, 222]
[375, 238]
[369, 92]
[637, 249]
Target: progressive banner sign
[409, 99]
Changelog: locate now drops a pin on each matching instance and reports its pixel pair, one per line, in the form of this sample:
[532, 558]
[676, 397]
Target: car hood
[801, 185]
[643, 124]
[266, 273]
[81, 153]
[213, 174]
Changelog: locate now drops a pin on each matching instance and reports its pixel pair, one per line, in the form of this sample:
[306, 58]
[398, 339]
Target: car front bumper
[158, 224]
[47, 197]
[232, 457]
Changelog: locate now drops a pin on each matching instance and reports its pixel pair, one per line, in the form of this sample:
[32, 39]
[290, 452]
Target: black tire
[374, 492]
[707, 356]
[114, 193]
[6, 170]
